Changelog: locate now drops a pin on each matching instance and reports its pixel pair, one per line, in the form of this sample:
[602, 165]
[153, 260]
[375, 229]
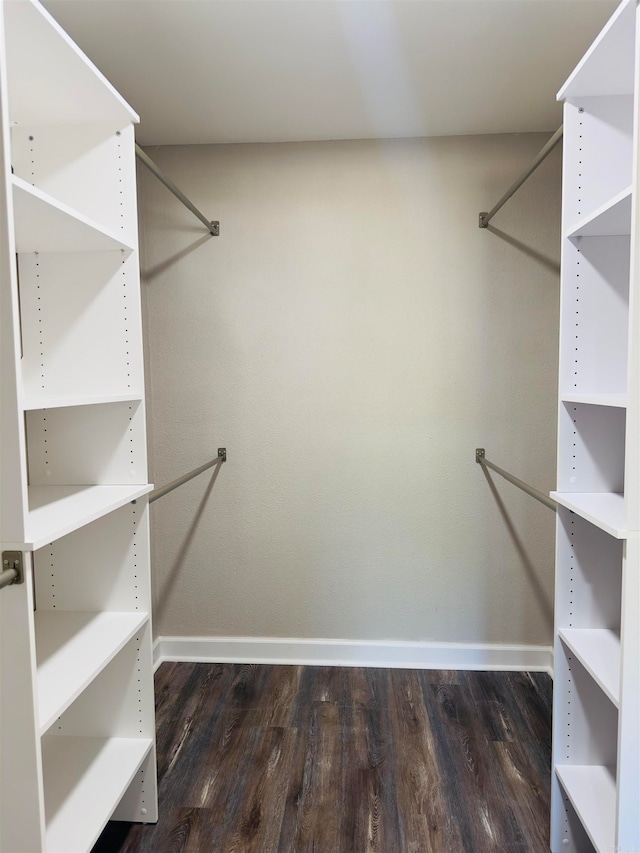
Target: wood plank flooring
[254, 759]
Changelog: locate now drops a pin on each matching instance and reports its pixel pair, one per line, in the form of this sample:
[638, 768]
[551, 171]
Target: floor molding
[375, 653]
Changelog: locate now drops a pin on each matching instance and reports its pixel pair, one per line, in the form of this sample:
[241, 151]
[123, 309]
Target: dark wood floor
[253, 759]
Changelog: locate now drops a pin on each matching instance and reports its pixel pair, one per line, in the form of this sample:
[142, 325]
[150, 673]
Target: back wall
[351, 338]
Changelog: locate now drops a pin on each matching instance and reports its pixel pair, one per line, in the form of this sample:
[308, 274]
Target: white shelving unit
[76, 677]
[596, 734]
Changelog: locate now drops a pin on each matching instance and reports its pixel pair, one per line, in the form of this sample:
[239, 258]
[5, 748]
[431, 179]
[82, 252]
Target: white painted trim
[397, 654]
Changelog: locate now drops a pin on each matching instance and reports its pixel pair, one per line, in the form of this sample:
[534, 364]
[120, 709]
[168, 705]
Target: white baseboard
[376, 653]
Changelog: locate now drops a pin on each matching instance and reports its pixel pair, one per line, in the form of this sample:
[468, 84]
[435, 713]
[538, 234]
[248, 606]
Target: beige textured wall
[351, 338]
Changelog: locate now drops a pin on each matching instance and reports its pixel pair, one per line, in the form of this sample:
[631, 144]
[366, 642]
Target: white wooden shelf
[78, 725]
[71, 649]
[610, 219]
[595, 753]
[592, 792]
[44, 224]
[55, 511]
[598, 650]
[34, 402]
[618, 401]
[83, 782]
[607, 68]
[50, 80]
[605, 510]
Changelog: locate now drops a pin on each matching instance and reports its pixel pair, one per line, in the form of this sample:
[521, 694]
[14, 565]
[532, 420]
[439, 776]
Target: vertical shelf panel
[13, 492]
[628, 813]
[596, 737]
[73, 451]
[22, 816]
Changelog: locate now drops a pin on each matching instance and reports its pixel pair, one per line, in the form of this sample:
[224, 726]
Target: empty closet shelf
[611, 218]
[55, 511]
[61, 401]
[83, 781]
[618, 401]
[43, 224]
[604, 509]
[72, 648]
[598, 650]
[592, 792]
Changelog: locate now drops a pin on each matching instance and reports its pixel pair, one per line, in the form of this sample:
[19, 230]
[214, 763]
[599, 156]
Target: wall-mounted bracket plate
[479, 454]
[215, 228]
[222, 454]
[14, 560]
[481, 220]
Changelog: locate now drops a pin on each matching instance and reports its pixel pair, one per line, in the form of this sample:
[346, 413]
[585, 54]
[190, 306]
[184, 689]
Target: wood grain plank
[312, 819]
[427, 823]
[259, 818]
[255, 759]
[371, 821]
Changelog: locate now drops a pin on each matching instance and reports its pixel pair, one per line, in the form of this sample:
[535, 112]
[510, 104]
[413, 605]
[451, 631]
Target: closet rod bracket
[515, 481]
[213, 227]
[485, 218]
[12, 568]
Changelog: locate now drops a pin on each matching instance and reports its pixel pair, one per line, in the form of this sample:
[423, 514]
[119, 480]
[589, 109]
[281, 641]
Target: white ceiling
[201, 71]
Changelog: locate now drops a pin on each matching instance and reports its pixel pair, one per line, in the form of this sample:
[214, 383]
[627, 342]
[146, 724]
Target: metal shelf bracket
[12, 568]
